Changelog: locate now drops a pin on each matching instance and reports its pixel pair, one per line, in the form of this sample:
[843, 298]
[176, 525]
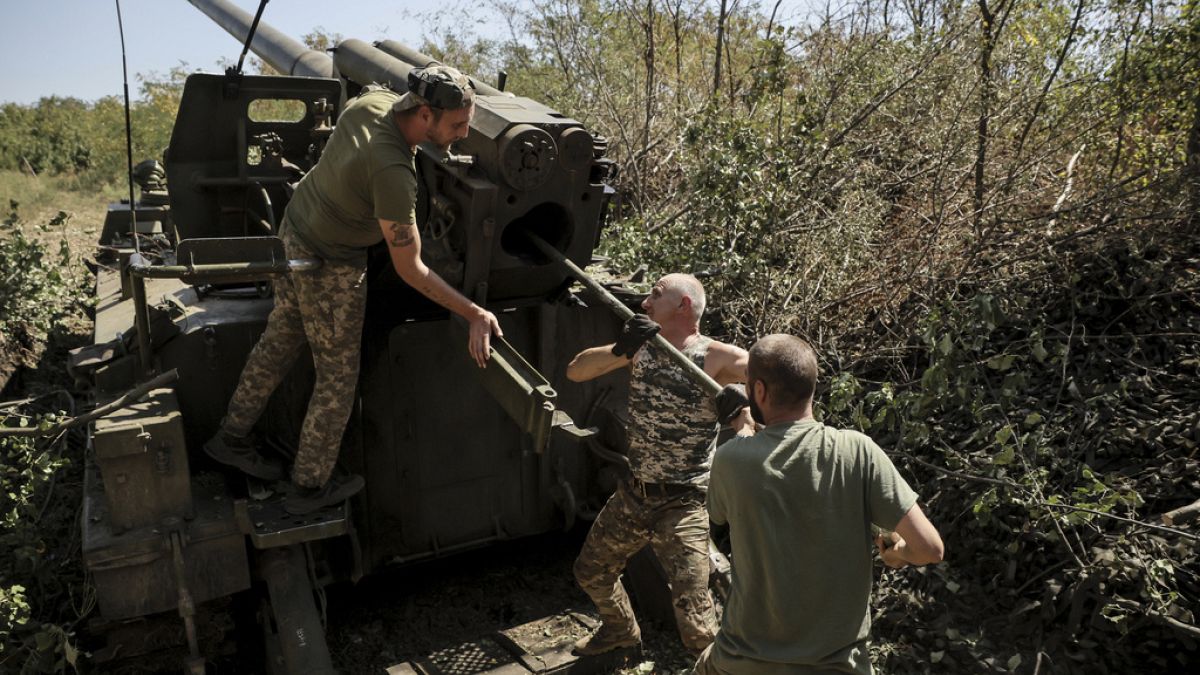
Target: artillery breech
[693, 371]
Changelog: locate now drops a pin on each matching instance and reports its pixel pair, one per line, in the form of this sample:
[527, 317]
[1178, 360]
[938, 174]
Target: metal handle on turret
[696, 373]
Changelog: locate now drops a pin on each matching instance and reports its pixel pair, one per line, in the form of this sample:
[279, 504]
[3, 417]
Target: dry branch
[132, 396]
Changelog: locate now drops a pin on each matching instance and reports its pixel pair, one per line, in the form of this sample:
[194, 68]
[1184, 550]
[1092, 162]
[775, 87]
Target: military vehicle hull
[454, 456]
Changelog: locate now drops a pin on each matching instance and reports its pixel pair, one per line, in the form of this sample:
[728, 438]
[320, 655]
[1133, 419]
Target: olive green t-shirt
[800, 499]
[366, 172]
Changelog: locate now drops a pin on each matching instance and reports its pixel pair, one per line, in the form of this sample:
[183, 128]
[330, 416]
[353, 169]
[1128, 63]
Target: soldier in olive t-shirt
[362, 190]
[800, 498]
[367, 175]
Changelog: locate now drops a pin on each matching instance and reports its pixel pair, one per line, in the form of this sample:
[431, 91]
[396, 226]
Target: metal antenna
[250, 36]
[128, 135]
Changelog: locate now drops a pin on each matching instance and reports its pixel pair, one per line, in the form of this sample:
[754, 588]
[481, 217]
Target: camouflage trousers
[704, 664]
[323, 309]
[677, 530]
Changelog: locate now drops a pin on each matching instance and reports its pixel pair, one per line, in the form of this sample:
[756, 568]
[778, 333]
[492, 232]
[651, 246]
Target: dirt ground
[425, 612]
[405, 614]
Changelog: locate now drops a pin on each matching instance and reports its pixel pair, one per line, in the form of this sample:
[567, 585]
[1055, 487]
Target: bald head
[688, 286]
[787, 366]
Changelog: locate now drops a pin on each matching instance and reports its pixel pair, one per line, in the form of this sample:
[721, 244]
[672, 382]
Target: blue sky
[72, 47]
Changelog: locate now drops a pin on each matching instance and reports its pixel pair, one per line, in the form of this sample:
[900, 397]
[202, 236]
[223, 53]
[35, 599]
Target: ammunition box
[134, 570]
[143, 461]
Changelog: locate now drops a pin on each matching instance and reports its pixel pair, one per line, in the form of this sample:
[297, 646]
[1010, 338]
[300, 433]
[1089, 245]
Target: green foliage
[14, 611]
[37, 288]
[29, 469]
[67, 136]
[1161, 63]
[967, 246]
[46, 138]
[825, 180]
[35, 284]
[1028, 406]
[982, 259]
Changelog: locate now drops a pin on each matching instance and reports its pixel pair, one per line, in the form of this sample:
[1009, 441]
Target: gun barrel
[387, 63]
[405, 53]
[278, 50]
[359, 61]
[420, 60]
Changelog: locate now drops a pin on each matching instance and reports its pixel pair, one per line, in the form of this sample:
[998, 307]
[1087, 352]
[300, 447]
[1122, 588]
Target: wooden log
[1183, 514]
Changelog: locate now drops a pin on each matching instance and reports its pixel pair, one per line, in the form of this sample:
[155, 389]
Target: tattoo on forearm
[402, 234]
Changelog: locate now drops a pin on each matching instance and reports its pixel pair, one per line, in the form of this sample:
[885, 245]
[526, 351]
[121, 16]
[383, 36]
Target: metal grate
[469, 658]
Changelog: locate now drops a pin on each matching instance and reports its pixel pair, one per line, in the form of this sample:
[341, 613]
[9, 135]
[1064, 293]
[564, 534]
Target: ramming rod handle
[697, 374]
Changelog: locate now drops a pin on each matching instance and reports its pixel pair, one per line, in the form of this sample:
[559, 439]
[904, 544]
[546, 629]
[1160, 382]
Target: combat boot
[335, 490]
[607, 638]
[239, 453]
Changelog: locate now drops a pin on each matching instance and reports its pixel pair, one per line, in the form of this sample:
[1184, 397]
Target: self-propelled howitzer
[454, 456]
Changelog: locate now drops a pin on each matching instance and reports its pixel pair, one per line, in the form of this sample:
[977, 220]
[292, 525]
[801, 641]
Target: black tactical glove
[636, 332]
[730, 401]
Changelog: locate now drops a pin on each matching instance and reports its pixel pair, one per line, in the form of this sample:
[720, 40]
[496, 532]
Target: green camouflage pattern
[323, 309]
[677, 530]
[672, 421]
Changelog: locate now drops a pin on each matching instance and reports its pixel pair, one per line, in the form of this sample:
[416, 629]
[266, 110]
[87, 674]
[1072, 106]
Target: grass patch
[40, 199]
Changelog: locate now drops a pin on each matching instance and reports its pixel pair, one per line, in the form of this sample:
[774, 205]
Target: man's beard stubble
[755, 411]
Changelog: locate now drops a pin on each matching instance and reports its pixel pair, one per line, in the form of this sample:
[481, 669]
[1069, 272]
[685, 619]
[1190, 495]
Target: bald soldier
[673, 426]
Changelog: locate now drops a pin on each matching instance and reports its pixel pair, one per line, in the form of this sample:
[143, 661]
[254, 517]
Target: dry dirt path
[404, 614]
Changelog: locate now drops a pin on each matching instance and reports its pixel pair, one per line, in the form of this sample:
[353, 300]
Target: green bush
[38, 287]
[30, 632]
[1048, 421]
[86, 140]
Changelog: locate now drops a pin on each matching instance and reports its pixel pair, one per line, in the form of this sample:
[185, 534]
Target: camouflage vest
[672, 422]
